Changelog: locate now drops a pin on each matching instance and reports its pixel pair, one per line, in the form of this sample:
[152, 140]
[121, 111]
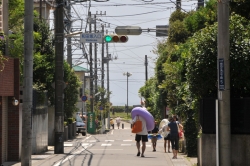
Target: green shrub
[70, 120]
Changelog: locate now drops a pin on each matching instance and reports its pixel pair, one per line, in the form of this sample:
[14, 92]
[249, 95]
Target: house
[80, 72]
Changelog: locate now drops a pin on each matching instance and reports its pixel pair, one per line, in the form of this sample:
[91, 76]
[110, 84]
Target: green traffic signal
[115, 38]
[108, 38]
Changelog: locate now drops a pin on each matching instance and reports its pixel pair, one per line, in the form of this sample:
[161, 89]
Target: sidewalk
[41, 159]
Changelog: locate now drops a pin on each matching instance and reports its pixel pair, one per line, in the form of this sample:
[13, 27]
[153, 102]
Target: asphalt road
[115, 148]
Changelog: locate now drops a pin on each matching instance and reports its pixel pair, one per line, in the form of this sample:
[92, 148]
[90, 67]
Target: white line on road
[106, 144]
[109, 140]
[125, 144]
[126, 140]
[92, 141]
[106, 149]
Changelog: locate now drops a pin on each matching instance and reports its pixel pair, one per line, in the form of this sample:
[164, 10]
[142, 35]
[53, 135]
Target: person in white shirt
[118, 121]
[141, 136]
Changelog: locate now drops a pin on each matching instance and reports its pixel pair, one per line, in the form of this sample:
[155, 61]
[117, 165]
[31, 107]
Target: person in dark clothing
[167, 139]
[154, 138]
[173, 127]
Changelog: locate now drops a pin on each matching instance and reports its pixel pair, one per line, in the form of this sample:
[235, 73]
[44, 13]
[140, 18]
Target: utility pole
[200, 4]
[27, 84]
[224, 127]
[102, 71]
[59, 83]
[102, 78]
[91, 68]
[178, 4]
[5, 21]
[68, 26]
[146, 67]
[40, 9]
[95, 56]
[108, 56]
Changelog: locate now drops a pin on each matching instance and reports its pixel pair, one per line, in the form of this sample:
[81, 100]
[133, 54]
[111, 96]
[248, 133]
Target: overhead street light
[73, 34]
[128, 75]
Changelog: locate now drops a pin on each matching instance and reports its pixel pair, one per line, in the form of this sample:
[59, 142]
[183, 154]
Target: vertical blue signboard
[221, 75]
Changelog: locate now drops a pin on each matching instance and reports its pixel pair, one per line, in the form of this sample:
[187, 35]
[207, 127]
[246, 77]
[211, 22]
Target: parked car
[80, 125]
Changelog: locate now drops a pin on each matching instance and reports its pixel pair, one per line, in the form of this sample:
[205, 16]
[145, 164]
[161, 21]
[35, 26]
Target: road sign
[221, 75]
[91, 38]
[128, 30]
[84, 98]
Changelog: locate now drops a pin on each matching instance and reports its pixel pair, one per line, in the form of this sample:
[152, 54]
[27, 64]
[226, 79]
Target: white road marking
[106, 144]
[109, 140]
[125, 144]
[106, 149]
[85, 144]
[127, 140]
[92, 141]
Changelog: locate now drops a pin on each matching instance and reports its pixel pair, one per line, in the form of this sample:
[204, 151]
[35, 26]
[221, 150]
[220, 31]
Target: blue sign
[84, 98]
[91, 38]
[221, 75]
[101, 108]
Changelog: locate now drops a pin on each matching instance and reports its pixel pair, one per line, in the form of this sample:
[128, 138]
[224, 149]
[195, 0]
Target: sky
[129, 56]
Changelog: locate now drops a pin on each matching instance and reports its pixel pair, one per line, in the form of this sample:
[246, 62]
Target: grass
[123, 115]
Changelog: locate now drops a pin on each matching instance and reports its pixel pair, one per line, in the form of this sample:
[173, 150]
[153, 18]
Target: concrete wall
[51, 126]
[39, 122]
[240, 149]
[39, 133]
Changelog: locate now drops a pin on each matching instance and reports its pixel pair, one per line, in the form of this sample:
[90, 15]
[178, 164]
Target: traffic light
[115, 38]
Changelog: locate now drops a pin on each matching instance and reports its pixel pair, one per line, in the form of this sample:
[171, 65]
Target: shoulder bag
[137, 126]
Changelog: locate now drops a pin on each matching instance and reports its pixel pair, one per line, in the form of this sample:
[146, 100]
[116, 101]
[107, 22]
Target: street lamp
[128, 75]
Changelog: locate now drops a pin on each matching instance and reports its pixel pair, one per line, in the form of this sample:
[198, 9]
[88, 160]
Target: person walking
[167, 140]
[118, 121]
[154, 136]
[173, 127]
[112, 123]
[141, 136]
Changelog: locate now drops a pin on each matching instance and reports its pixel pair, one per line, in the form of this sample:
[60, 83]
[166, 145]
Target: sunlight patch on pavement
[39, 156]
[65, 144]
